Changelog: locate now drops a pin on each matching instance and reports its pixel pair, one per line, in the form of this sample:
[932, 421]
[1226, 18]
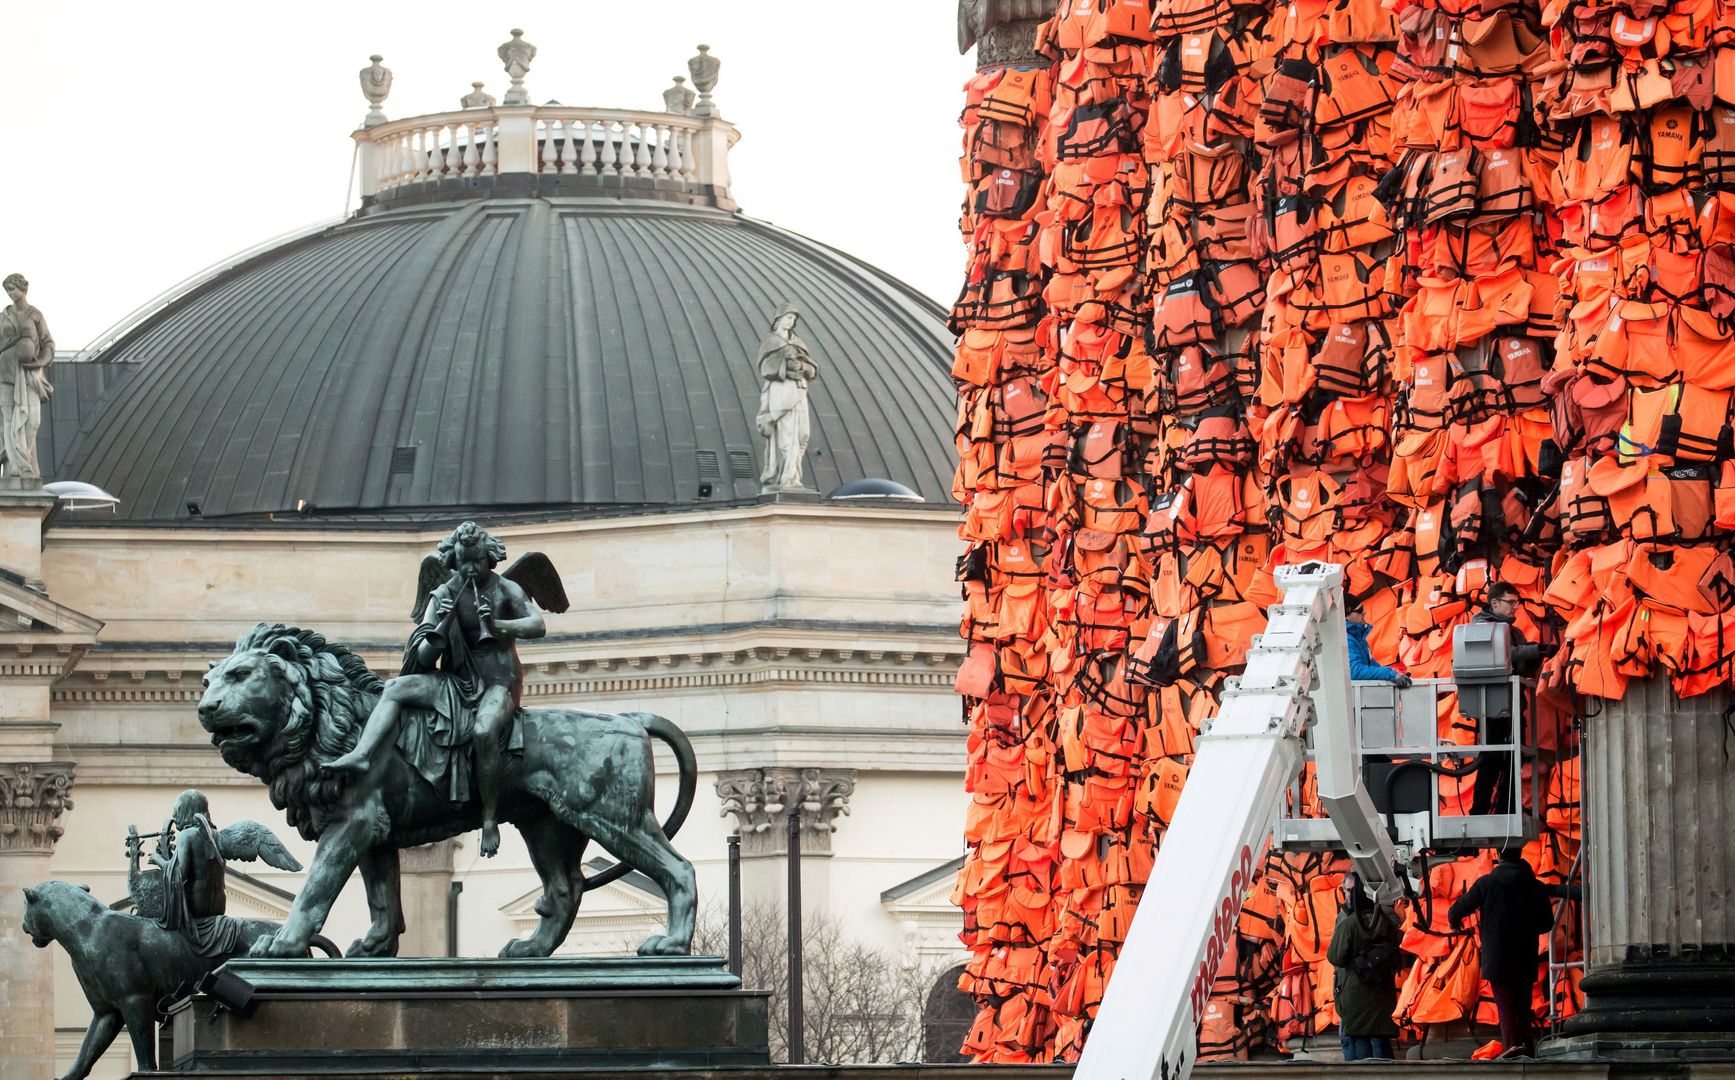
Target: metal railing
[548, 140]
[1392, 726]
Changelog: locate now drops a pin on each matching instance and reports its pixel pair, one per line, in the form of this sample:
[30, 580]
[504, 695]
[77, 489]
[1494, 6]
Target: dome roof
[513, 353]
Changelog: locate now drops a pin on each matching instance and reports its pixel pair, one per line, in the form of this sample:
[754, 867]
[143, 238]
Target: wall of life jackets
[1441, 290]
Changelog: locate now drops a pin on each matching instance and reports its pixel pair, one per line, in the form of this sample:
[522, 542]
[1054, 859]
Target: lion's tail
[661, 727]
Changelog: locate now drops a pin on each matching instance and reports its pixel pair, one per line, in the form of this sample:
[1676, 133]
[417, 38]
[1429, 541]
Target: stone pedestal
[1659, 822]
[341, 1016]
[24, 506]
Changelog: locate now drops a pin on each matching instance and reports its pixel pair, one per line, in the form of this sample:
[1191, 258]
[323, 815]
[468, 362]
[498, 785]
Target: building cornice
[321, 531]
[660, 660]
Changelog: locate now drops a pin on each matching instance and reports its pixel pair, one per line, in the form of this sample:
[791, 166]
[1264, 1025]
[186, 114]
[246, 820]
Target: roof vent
[875, 487]
[403, 461]
[708, 465]
[78, 495]
[740, 465]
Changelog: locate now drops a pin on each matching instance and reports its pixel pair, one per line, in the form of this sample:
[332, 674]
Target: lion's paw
[522, 948]
[663, 945]
[372, 948]
[276, 946]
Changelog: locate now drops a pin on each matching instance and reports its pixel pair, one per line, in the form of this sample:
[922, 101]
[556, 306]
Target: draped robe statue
[26, 348]
[785, 369]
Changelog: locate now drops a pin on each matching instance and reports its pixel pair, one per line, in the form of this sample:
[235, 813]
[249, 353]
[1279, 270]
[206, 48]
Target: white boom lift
[1244, 762]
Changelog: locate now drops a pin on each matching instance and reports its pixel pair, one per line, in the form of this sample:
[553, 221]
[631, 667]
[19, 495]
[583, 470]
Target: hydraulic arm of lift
[1244, 762]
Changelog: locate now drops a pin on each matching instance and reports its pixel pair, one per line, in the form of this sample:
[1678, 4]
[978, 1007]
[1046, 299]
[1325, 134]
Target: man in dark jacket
[1493, 788]
[1515, 912]
[1502, 607]
[1364, 1008]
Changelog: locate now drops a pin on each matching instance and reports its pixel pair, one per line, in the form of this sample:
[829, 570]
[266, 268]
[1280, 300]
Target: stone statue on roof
[26, 350]
[785, 369]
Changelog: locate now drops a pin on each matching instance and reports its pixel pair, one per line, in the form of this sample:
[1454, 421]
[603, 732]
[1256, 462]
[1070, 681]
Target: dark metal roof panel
[514, 352]
[78, 388]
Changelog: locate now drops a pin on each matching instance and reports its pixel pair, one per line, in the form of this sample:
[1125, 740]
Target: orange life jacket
[1022, 97]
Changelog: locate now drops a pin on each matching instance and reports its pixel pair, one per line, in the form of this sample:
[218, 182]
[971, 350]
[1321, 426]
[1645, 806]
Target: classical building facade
[551, 320]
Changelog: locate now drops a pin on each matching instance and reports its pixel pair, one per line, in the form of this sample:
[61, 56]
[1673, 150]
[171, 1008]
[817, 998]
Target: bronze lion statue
[286, 701]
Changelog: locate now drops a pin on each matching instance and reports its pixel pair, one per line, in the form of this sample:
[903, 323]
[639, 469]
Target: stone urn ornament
[517, 55]
[477, 98]
[376, 83]
[678, 99]
[704, 68]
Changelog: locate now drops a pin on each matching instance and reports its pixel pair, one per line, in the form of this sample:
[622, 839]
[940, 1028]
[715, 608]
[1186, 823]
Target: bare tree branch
[861, 1004]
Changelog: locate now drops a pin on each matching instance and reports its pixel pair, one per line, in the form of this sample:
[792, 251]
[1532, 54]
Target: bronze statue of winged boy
[461, 663]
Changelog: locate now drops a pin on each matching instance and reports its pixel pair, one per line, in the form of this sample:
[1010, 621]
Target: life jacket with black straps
[1001, 300]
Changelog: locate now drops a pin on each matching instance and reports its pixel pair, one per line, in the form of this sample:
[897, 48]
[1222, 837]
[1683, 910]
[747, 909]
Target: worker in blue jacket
[1361, 658]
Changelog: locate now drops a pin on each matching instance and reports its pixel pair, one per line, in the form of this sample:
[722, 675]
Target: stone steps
[1255, 1070]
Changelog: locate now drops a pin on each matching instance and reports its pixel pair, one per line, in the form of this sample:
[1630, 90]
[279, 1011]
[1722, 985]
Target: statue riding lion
[286, 703]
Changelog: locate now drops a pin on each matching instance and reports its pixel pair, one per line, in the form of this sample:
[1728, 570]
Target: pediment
[24, 610]
[611, 921]
[250, 898]
[632, 894]
[929, 891]
[923, 908]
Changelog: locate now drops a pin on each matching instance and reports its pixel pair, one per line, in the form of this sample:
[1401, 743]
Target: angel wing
[433, 573]
[249, 841]
[534, 572]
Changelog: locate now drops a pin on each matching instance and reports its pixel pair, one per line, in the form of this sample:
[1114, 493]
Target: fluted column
[32, 798]
[1659, 818]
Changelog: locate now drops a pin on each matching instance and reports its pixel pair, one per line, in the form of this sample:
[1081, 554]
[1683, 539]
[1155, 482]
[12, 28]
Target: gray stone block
[337, 1016]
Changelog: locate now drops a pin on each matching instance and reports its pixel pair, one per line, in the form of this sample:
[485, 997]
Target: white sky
[146, 141]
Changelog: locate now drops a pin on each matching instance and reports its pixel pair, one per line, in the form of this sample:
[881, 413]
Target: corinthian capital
[761, 801]
[32, 798]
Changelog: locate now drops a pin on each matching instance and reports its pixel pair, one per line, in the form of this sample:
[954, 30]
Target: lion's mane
[332, 692]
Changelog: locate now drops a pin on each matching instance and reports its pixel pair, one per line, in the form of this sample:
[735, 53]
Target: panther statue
[286, 701]
[126, 964]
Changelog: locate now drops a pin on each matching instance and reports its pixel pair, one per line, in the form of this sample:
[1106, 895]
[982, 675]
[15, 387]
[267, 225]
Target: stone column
[426, 874]
[1659, 875]
[40, 641]
[32, 798]
[759, 800]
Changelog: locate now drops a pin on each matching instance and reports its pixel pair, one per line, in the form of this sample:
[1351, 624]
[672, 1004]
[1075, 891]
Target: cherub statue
[461, 665]
[186, 892]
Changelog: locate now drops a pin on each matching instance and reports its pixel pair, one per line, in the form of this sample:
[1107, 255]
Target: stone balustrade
[647, 149]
